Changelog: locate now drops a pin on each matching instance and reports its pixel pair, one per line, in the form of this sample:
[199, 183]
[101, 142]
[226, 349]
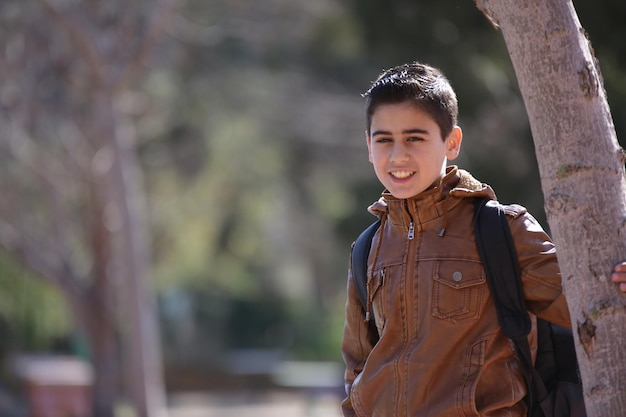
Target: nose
[399, 152]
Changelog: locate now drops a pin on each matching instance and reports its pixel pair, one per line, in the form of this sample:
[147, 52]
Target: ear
[369, 145]
[453, 143]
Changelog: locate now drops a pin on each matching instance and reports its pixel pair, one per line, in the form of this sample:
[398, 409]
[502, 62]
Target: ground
[267, 404]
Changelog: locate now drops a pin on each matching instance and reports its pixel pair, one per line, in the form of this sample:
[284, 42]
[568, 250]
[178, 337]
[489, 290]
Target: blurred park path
[257, 404]
[59, 386]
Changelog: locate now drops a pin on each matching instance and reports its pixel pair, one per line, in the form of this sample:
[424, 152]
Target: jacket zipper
[411, 234]
[409, 303]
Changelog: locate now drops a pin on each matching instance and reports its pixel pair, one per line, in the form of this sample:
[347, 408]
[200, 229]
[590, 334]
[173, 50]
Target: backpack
[554, 386]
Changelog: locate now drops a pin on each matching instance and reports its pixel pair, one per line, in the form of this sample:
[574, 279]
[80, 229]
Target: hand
[619, 275]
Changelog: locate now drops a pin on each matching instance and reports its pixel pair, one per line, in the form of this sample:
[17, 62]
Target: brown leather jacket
[441, 352]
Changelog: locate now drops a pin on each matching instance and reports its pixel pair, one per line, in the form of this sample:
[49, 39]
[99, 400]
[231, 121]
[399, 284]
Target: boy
[437, 349]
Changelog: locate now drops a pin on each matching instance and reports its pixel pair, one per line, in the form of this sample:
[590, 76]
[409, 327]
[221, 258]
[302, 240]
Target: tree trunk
[144, 362]
[582, 176]
[129, 245]
[105, 361]
[102, 327]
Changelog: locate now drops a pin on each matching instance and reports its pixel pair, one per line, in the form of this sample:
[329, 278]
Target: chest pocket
[459, 289]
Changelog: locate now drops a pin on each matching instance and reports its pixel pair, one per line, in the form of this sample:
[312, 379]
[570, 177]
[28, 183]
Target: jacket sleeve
[539, 268]
[358, 340]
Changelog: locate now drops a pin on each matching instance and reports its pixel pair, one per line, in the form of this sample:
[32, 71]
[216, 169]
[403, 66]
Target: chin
[403, 195]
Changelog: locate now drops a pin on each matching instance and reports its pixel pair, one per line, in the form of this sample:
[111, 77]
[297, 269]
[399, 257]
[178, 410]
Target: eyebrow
[404, 132]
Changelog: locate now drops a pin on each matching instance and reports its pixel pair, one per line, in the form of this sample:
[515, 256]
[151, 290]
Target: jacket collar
[434, 202]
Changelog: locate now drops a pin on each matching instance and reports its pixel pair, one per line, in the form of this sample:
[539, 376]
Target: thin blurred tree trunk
[582, 176]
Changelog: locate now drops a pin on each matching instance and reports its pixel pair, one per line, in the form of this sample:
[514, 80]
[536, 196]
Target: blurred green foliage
[33, 316]
[251, 127]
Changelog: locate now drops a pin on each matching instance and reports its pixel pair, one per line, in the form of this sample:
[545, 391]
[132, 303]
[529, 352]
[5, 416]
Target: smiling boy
[437, 349]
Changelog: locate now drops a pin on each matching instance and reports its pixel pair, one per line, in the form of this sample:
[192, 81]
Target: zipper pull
[382, 277]
[411, 231]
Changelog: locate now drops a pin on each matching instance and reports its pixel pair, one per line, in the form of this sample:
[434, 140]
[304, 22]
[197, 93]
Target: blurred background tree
[73, 211]
[250, 134]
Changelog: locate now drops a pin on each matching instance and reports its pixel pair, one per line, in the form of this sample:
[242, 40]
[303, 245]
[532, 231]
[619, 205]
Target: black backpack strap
[497, 253]
[358, 260]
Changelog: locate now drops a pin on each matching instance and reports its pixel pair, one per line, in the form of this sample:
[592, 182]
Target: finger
[618, 277]
[620, 267]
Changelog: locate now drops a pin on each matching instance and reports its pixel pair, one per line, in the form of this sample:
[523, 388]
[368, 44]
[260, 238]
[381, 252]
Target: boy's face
[407, 150]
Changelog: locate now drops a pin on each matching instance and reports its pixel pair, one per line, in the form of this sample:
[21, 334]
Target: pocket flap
[459, 274]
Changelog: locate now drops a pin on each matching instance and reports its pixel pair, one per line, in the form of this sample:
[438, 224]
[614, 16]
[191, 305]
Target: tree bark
[102, 329]
[143, 365]
[124, 268]
[582, 177]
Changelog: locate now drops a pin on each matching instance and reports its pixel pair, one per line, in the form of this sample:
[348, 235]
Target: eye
[383, 139]
[415, 139]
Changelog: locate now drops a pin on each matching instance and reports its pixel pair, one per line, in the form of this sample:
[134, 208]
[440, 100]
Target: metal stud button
[457, 276]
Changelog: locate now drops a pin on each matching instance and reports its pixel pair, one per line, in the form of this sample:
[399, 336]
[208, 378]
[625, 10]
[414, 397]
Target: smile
[402, 174]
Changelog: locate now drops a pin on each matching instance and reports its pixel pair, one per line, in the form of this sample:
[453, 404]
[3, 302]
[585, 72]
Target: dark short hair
[423, 85]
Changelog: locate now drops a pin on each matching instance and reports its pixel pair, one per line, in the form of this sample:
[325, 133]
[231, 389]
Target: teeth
[402, 174]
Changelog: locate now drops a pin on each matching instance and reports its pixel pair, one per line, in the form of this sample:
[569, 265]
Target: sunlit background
[246, 122]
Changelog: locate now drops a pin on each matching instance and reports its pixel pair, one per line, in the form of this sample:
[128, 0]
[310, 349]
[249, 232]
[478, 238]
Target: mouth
[402, 175]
